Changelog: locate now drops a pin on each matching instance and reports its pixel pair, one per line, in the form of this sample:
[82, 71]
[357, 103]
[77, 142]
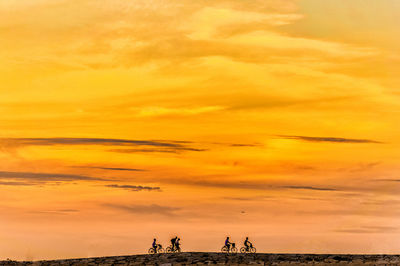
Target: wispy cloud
[366, 212]
[368, 230]
[310, 188]
[145, 145]
[242, 184]
[112, 168]
[387, 180]
[169, 150]
[328, 139]
[121, 146]
[243, 145]
[43, 177]
[255, 198]
[134, 188]
[13, 183]
[56, 212]
[144, 209]
[90, 141]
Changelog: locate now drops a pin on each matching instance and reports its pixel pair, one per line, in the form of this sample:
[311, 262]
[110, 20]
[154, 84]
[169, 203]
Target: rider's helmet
[155, 239]
[247, 238]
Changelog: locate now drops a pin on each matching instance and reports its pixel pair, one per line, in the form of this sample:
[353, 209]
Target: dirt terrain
[208, 258]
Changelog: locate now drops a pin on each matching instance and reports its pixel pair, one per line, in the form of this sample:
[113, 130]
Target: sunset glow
[125, 120]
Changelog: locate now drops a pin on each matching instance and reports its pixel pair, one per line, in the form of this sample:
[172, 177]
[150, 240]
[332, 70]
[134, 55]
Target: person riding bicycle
[178, 244]
[173, 241]
[228, 243]
[248, 244]
[155, 245]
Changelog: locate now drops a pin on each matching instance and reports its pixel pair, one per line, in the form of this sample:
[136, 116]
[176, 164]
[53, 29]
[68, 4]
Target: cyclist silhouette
[229, 247]
[248, 247]
[173, 241]
[228, 243]
[248, 244]
[178, 245]
[155, 244]
[155, 247]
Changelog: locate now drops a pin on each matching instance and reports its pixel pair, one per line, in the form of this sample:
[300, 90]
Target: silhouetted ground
[208, 258]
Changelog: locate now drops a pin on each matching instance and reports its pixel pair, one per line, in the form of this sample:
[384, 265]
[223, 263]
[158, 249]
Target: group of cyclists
[230, 247]
[175, 246]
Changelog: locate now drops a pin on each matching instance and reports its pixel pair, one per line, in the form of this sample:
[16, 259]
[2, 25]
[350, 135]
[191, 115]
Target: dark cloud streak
[310, 188]
[242, 184]
[11, 183]
[144, 209]
[134, 188]
[112, 168]
[166, 146]
[91, 141]
[155, 150]
[46, 177]
[329, 139]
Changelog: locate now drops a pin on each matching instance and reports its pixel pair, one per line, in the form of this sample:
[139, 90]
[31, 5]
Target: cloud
[154, 146]
[387, 180]
[243, 145]
[366, 212]
[381, 202]
[12, 183]
[90, 141]
[155, 150]
[124, 146]
[134, 188]
[368, 230]
[256, 198]
[364, 167]
[44, 177]
[145, 209]
[310, 188]
[58, 212]
[164, 111]
[240, 184]
[112, 168]
[328, 139]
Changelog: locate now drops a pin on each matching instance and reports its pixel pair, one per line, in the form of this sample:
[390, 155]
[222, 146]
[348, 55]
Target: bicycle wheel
[161, 250]
[253, 250]
[151, 251]
[168, 250]
[242, 250]
[224, 249]
[234, 250]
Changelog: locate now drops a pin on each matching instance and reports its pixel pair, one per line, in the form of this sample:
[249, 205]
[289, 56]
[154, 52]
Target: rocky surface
[203, 258]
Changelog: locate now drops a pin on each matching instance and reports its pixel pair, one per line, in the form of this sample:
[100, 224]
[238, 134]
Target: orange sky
[122, 120]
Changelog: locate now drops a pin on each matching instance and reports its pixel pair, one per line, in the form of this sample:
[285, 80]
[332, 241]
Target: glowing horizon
[122, 121]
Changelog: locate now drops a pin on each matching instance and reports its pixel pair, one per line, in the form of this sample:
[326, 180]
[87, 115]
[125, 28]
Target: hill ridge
[213, 258]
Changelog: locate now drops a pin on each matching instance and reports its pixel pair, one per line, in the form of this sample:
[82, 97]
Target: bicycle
[159, 249]
[250, 249]
[232, 249]
[172, 249]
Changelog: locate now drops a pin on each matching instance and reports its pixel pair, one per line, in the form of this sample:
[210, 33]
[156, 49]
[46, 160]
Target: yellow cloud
[162, 111]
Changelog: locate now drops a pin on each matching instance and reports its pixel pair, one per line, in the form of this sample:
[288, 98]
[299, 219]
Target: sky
[125, 120]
